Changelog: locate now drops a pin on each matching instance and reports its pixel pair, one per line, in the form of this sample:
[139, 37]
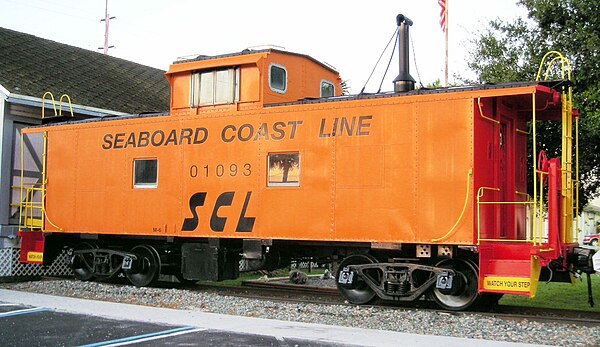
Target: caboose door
[505, 218]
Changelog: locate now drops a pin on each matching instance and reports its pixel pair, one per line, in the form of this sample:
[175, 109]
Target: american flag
[443, 14]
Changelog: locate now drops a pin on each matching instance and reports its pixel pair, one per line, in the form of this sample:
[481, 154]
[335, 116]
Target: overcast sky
[349, 35]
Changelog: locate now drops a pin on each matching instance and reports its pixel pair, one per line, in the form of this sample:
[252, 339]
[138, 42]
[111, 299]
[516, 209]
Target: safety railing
[534, 225]
[30, 209]
[32, 212]
[60, 102]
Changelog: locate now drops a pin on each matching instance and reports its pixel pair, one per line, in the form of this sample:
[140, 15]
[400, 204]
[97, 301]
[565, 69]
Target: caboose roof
[515, 89]
[480, 90]
[247, 56]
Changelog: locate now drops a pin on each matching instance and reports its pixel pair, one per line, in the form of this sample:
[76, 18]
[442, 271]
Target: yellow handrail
[570, 201]
[26, 194]
[480, 193]
[44, 104]
[576, 173]
[462, 213]
[565, 65]
[60, 101]
[482, 115]
[27, 206]
[60, 104]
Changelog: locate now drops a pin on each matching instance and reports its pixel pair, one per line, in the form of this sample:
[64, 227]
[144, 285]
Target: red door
[505, 216]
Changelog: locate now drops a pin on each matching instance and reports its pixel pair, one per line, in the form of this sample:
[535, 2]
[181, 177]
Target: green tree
[512, 50]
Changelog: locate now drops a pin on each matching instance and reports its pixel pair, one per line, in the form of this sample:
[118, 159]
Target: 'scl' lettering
[196, 200]
[245, 224]
[217, 223]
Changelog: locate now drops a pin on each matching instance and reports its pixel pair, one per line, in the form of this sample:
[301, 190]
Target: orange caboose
[262, 158]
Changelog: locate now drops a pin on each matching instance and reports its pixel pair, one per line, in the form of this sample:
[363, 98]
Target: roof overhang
[232, 60]
[79, 109]
[4, 91]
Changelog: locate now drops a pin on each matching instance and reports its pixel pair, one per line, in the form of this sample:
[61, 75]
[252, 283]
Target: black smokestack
[404, 82]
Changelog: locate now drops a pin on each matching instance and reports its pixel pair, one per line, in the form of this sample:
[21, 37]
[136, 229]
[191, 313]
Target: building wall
[12, 117]
[5, 163]
[590, 218]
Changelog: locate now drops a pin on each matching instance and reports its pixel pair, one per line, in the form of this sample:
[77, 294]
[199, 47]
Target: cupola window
[214, 87]
[278, 78]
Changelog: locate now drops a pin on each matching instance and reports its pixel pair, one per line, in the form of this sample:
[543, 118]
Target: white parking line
[145, 337]
[23, 311]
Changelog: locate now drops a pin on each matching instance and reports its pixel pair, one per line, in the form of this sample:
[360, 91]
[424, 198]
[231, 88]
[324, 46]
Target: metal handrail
[60, 102]
[570, 185]
[480, 193]
[462, 213]
[44, 104]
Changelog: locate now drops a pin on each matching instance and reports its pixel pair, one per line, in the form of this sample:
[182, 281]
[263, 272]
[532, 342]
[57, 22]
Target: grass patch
[560, 296]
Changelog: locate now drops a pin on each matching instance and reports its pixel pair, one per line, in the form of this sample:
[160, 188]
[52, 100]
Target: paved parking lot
[34, 326]
[29, 319]
[22, 325]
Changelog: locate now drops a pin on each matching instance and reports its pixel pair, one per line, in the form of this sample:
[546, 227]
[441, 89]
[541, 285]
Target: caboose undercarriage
[448, 275]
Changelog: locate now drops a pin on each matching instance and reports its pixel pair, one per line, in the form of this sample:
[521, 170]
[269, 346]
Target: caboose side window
[284, 170]
[278, 78]
[327, 89]
[145, 173]
[214, 87]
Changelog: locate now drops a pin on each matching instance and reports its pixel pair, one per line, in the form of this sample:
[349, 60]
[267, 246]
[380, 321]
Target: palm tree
[285, 162]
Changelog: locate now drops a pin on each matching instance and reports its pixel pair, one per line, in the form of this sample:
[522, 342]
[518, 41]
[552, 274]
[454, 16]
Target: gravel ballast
[409, 321]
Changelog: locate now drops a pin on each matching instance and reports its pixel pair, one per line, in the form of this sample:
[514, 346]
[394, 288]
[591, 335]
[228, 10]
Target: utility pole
[106, 21]
[446, 44]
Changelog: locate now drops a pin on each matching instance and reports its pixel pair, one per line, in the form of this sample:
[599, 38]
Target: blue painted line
[23, 311]
[138, 337]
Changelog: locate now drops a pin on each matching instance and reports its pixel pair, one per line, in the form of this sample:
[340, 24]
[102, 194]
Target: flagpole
[446, 39]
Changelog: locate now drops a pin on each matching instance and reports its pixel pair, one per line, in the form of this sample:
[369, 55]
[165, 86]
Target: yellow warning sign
[35, 257]
[511, 284]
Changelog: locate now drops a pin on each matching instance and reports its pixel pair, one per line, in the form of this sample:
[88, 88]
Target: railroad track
[291, 287]
[285, 292]
[516, 313]
[545, 315]
[275, 291]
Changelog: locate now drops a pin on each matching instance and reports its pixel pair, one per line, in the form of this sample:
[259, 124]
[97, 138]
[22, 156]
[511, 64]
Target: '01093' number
[221, 170]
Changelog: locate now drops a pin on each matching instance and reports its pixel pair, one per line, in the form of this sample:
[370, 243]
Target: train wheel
[465, 294]
[146, 269]
[358, 292]
[83, 263]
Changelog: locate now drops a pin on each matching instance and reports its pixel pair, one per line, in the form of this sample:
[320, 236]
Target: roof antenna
[404, 82]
